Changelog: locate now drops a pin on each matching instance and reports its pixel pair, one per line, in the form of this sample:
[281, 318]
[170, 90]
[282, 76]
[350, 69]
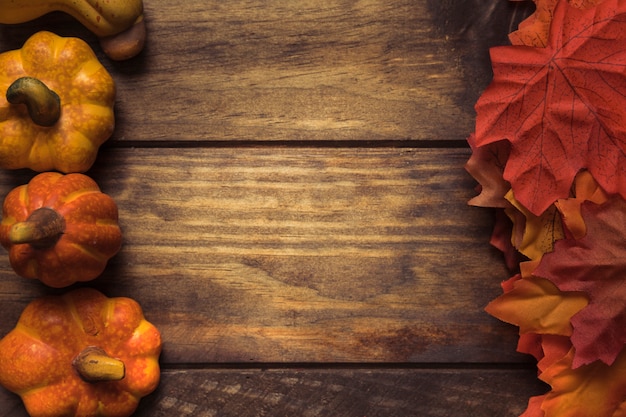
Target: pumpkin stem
[93, 364]
[43, 104]
[42, 229]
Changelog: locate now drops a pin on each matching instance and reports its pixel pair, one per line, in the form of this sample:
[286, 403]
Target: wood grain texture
[301, 254]
[309, 70]
[334, 392]
[290, 195]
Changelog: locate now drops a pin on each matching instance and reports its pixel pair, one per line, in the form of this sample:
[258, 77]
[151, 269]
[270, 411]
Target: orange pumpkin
[60, 229]
[58, 106]
[81, 354]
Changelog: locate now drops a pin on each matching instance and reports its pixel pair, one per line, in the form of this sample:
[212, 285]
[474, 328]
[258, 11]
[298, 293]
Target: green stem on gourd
[93, 364]
[42, 229]
[43, 104]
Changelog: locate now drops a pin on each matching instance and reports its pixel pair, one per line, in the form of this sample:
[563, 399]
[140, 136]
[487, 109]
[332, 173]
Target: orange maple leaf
[585, 188]
[537, 306]
[594, 390]
[533, 31]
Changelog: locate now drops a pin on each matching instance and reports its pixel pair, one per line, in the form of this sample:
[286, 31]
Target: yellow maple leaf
[536, 305]
[533, 235]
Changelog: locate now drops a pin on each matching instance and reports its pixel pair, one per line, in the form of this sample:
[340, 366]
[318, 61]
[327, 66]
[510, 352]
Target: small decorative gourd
[60, 229]
[118, 23]
[81, 354]
[56, 105]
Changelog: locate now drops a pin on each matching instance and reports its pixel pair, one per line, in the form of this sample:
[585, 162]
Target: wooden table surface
[291, 185]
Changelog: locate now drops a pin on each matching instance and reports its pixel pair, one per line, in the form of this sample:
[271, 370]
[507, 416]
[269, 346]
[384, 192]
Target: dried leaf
[534, 235]
[533, 31]
[530, 343]
[594, 390]
[595, 265]
[554, 349]
[563, 107]
[537, 306]
[486, 166]
[585, 188]
[501, 239]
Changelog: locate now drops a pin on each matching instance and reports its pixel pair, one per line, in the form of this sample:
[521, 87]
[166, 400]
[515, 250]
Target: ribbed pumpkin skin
[91, 237]
[36, 356]
[69, 67]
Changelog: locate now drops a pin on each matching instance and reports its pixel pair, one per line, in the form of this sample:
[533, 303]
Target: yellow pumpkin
[58, 107]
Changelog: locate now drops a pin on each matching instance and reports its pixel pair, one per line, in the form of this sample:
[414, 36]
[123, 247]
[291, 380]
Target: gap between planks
[320, 144]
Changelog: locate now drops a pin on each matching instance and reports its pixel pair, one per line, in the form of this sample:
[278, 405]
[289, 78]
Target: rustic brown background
[291, 189]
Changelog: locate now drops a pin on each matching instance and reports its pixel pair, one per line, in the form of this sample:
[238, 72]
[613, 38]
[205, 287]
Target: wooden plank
[280, 254]
[306, 70]
[341, 261]
[332, 392]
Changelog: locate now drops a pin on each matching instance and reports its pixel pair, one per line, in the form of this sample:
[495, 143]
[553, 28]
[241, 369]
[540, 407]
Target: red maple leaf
[486, 166]
[596, 265]
[562, 107]
[501, 239]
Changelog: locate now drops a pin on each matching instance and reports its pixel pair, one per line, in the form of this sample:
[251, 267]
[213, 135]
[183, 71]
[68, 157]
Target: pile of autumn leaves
[549, 152]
